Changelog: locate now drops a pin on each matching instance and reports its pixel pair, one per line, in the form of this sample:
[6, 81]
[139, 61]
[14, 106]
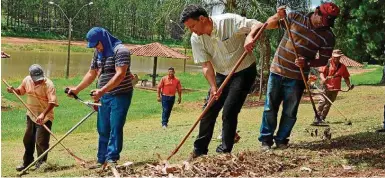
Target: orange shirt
[169, 86]
[334, 83]
[38, 96]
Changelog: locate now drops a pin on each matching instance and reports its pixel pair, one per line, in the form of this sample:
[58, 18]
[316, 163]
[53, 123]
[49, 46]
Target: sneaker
[265, 147]
[164, 127]
[111, 163]
[20, 168]
[281, 146]
[96, 166]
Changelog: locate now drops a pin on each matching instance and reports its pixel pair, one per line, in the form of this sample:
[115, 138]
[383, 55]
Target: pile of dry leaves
[249, 164]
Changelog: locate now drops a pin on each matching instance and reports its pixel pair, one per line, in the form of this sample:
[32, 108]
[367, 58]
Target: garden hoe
[212, 98]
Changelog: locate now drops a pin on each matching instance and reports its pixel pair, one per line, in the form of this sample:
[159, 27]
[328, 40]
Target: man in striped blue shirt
[311, 34]
[114, 90]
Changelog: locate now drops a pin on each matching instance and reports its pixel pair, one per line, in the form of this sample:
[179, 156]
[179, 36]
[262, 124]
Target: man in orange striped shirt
[41, 99]
[167, 88]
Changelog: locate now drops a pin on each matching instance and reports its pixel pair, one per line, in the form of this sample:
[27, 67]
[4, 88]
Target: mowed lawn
[356, 145]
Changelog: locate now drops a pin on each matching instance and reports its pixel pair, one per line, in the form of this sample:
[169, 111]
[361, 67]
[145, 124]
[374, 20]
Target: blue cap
[92, 44]
[109, 42]
[92, 37]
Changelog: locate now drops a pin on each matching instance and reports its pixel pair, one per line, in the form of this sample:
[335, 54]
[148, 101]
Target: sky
[315, 3]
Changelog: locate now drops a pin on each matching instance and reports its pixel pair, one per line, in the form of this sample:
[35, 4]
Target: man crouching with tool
[114, 90]
[41, 99]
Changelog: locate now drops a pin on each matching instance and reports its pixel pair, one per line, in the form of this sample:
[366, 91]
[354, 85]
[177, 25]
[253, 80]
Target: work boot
[20, 167]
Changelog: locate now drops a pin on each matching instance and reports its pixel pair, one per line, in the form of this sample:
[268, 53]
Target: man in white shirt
[217, 44]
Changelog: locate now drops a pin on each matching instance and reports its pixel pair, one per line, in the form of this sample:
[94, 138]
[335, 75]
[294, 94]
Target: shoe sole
[320, 125]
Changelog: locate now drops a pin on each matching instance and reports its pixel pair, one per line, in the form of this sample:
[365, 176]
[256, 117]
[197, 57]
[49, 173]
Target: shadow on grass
[55, 167]
[372, 85]
[365, 148]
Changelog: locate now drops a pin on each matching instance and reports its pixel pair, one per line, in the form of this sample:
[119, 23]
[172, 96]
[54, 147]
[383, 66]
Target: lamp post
[70, 20]
[184, 46]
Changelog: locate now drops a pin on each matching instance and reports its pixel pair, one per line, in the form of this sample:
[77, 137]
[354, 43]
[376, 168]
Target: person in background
[331, 76]
[167, 88]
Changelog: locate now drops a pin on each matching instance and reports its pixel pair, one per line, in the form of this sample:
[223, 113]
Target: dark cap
[36, 72]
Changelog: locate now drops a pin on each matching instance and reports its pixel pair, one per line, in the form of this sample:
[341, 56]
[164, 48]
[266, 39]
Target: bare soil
[23, 41]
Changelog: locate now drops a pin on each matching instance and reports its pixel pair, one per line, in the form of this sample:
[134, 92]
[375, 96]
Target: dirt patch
[354, 71]
[7, 105]
[23, 41]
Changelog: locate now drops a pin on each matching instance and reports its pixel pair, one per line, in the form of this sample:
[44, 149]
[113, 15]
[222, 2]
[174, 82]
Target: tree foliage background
[360, 29]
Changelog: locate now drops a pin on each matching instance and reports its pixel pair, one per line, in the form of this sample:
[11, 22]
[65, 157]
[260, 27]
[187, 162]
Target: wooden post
[154, 71]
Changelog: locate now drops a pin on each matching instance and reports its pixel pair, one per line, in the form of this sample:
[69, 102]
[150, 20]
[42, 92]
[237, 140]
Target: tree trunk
[265, 51]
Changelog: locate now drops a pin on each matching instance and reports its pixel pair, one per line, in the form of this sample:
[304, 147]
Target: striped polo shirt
[308, 42]
[224, 46]
[106, 67]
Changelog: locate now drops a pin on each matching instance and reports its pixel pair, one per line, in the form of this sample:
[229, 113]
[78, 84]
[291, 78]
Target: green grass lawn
[368, 78]
[355, 145]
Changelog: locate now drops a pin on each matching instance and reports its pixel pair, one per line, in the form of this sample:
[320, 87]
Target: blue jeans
[167, 104]
[280, 89]
[111, 119]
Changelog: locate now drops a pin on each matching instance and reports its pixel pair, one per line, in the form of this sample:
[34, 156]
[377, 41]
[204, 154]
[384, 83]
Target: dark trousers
[35, 134]
[167, 104]
[231, 100]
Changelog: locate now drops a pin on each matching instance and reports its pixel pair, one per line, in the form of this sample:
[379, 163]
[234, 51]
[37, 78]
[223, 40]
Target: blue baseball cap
[93, 37]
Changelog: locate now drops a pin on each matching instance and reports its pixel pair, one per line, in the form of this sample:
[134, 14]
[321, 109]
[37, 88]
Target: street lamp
[185, 50]
[70, 20]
